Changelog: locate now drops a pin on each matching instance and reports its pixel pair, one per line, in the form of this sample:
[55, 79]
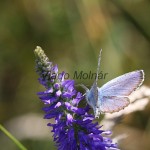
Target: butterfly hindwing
[110, 104]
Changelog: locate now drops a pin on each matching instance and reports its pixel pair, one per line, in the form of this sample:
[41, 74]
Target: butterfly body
[92, 96]
[113, 96]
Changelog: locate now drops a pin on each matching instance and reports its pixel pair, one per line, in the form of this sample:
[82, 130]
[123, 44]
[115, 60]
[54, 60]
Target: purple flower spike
[73, 128]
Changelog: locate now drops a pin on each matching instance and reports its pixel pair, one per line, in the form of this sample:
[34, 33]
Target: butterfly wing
[113, 96]
[92, 96]
[112, 104]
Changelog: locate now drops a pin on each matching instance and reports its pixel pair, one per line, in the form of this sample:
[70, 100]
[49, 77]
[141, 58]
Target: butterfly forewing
[123, 85]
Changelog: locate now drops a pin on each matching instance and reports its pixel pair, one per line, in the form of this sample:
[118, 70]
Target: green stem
[12, 138]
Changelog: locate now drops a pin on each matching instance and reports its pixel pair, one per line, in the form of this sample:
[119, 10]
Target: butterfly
[113, 96]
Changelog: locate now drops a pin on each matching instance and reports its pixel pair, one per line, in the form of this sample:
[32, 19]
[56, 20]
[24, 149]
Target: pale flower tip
[40, 54]
[38, 47]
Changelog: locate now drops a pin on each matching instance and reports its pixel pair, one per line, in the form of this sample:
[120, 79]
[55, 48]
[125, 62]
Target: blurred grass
[71, 32]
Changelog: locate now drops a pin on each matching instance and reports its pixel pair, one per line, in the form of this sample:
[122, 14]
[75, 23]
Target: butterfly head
[97, 113]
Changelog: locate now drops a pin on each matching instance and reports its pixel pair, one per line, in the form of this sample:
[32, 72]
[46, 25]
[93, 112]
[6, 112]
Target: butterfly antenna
[84, 87]
[98, 67]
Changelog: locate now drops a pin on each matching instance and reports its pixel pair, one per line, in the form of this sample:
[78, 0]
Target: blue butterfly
[113, 96]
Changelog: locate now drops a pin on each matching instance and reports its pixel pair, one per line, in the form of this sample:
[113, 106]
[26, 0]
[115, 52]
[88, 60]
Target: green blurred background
[71, 32]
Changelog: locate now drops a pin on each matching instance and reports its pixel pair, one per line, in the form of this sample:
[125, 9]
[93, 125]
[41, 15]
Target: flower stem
[12, 138]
